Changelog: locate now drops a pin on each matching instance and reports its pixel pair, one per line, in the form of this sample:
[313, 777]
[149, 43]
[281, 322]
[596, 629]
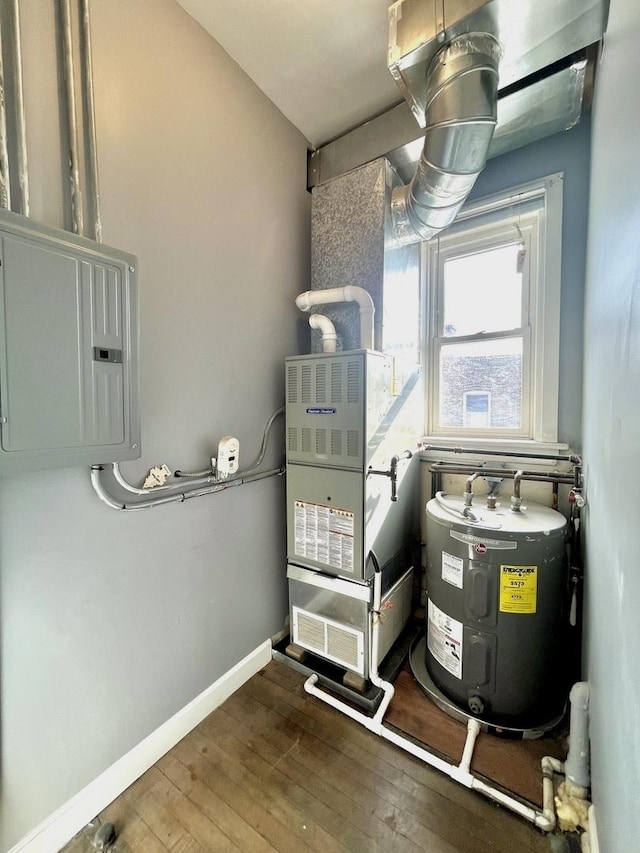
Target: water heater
[496, 611]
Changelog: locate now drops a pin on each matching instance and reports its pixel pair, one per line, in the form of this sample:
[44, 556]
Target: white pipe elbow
[307, 300]
[361, 296]
[303, 300]
[328, 330]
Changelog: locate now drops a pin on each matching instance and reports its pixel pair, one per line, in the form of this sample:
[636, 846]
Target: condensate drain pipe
[576, 766]
[328, 330]
[310, 298]
[461, 772]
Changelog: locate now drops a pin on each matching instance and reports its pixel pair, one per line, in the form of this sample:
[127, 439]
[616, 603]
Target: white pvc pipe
[577, 764]
[460, 773]
[307, 300]
[329, 336]
[549, 765]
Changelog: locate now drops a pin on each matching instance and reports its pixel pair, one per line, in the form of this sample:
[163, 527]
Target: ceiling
[301, 52]
[326, 68]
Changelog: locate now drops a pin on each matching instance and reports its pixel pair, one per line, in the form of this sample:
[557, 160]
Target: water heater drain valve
[228, 456]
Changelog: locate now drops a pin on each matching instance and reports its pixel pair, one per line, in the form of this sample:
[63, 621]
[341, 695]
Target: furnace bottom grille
[330, 639]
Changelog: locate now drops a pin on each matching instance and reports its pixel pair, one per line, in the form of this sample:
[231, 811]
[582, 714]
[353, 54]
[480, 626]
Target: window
[477, 409]
[493, 306]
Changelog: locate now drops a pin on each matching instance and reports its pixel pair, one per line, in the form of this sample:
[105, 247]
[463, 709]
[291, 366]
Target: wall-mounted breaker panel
[68, 349]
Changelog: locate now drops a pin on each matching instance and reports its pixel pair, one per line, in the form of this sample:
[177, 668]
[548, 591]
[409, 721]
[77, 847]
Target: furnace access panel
[68, 348]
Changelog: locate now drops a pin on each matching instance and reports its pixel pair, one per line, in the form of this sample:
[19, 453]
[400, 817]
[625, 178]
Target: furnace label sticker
[518, 589]
[324, 534]
[452, 567]
[444, 639]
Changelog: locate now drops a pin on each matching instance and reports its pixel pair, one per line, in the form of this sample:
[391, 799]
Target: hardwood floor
[274, 769]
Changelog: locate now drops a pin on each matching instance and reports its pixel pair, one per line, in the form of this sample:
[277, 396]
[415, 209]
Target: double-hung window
[492, 319]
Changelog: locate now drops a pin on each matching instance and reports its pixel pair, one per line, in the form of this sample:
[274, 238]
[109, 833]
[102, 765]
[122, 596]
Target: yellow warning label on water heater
[518, 589]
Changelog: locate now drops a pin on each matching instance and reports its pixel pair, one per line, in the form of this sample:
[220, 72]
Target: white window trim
[545, 303]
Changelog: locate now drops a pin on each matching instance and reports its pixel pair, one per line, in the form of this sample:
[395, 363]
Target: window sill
[433, 447]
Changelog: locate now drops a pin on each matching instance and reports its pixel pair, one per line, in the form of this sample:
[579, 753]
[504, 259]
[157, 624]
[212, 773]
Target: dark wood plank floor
[274, 769]
[513, 764]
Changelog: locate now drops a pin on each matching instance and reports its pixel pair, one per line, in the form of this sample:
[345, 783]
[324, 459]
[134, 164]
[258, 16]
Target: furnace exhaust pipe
[460, 117]
[328, 330]
[310, 298]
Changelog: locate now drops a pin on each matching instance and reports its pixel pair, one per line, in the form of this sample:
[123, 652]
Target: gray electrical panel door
[68, 347]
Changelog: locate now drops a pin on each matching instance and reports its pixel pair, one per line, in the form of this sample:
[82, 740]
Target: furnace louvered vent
[336, 442]
[353, 382]
[342, 645]
[321, 383]
[353, 442]
[292, 384]
[306, 439]
[292, 440]
[321, 442]
[336, 383]
[332, 640]
[305, 396]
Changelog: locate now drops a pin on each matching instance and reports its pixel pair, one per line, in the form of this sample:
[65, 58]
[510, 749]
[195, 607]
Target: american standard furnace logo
[322, 410]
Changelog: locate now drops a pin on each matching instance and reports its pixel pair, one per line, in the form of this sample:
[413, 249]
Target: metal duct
[460, 117]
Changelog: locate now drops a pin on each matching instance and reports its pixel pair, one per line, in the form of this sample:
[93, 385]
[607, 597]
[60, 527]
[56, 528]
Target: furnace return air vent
[333, 641]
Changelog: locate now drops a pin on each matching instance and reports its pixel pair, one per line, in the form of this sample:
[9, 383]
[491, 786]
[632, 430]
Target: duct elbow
[461, 115]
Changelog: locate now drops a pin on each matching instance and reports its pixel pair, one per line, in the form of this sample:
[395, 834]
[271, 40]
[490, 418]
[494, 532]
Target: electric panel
[69, 349]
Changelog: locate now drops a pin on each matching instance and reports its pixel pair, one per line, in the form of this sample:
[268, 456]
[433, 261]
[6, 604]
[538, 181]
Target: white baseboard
[56, 830]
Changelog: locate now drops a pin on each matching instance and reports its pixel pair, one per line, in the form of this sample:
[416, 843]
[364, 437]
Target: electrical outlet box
[228, 456]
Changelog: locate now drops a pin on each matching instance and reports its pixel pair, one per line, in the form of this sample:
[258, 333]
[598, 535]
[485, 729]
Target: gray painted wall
[612, 436]
[111, 623]
[569, 153]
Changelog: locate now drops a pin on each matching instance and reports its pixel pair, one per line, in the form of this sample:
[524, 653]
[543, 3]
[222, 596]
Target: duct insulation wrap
[460, 116]
[496, 611]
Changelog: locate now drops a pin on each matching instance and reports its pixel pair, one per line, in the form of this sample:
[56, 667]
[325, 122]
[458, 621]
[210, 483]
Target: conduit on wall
[201, 483]
[11, 97]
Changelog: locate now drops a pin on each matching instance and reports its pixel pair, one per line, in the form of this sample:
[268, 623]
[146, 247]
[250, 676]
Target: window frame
[535, 208]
